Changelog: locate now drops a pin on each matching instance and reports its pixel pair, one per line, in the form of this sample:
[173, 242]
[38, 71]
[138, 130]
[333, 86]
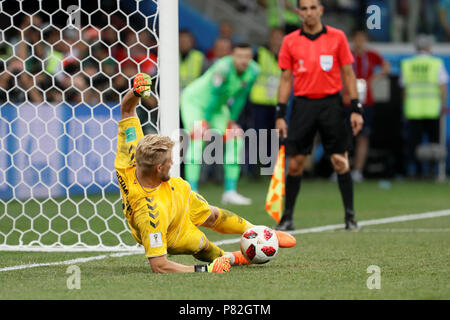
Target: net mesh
[64, 67]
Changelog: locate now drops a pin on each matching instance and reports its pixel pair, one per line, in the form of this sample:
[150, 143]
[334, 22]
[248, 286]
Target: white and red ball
[259, 244]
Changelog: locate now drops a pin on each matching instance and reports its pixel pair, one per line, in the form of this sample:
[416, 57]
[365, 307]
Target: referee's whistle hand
[357, 122]
[281, 126]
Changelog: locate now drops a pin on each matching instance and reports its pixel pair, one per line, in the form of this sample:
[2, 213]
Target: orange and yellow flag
[274, 199]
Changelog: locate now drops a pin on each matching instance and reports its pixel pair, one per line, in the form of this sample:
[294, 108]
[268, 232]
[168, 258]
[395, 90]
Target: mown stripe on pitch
[407, 217]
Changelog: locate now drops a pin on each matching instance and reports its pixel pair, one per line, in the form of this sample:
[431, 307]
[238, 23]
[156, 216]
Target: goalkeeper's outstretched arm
[128, 106]
[162, 265]
[141, 88]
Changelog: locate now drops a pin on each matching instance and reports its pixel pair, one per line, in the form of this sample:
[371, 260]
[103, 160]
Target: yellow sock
[230, 223]
[209, 253]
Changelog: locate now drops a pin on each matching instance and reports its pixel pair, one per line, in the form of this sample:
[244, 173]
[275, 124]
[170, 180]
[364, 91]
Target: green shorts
[191, 113]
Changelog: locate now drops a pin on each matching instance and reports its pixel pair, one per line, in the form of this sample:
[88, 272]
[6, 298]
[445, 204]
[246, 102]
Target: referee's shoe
[286, 223]
[351, 225]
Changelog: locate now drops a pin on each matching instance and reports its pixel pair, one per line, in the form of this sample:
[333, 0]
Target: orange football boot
[285, 240]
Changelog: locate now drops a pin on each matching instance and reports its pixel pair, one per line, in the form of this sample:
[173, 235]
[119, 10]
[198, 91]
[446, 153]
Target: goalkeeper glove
[219, 265]
[141, 85]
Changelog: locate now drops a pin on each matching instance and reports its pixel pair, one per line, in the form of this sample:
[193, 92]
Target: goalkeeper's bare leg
[227, 222]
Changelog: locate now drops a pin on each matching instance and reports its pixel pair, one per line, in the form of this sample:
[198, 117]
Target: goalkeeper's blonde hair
[153, 149]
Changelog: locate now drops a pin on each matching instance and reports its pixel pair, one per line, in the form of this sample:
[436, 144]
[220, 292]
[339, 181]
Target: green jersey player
[215, 101]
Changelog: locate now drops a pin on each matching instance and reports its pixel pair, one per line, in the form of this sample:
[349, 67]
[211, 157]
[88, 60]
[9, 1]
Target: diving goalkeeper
[162, 211]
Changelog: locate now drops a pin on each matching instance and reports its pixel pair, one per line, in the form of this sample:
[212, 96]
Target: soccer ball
[259, 244]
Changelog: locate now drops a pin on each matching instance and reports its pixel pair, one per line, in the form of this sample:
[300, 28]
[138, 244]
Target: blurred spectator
[5, 52]
[222, 47]
[444, 18]
[264, 93]
[90, 35]
[429, 20]
[99, 51]
[72, 96]
[282, 14]
[246, 5]
[406, 19]
[73, 49]
[90, 67]
[129, 68]
[365, 65]
[56, 63]
[223, 44]
[109, 67]
[18, 83]
[192, 61]
[120, 83]
[424, 79]
[226, 30]
[134, 52]
[109, 36]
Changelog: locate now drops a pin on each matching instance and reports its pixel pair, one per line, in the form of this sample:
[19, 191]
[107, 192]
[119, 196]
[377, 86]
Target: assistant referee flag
[275, 194]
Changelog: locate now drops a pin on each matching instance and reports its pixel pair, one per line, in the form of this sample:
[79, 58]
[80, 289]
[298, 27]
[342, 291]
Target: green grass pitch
[413, 256]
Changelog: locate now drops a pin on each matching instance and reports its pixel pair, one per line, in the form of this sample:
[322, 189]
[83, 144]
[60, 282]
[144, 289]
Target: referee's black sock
[293, 184]
[345, 183]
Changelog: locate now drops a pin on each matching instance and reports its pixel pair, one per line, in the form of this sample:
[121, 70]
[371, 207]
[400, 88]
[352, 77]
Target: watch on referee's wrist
[356, 106]
[200, 268]
[280, 110]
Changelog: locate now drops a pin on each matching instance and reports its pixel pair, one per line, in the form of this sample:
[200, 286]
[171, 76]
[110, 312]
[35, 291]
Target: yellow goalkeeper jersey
[162, 219]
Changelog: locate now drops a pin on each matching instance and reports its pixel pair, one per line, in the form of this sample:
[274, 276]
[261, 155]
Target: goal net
[64, 66]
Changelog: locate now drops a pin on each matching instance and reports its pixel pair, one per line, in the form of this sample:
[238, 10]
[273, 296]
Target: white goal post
[169, 75]
[64, 65]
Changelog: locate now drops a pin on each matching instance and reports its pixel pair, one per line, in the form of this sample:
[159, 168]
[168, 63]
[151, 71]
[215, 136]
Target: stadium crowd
[48, 53]
[73, 66]
[408, 18]
[40, 62]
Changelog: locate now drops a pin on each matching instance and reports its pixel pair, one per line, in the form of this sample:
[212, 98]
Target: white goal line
[402, 218]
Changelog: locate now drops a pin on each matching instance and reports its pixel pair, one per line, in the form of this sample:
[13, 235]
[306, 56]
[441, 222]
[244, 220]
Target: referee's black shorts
[326, 116]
